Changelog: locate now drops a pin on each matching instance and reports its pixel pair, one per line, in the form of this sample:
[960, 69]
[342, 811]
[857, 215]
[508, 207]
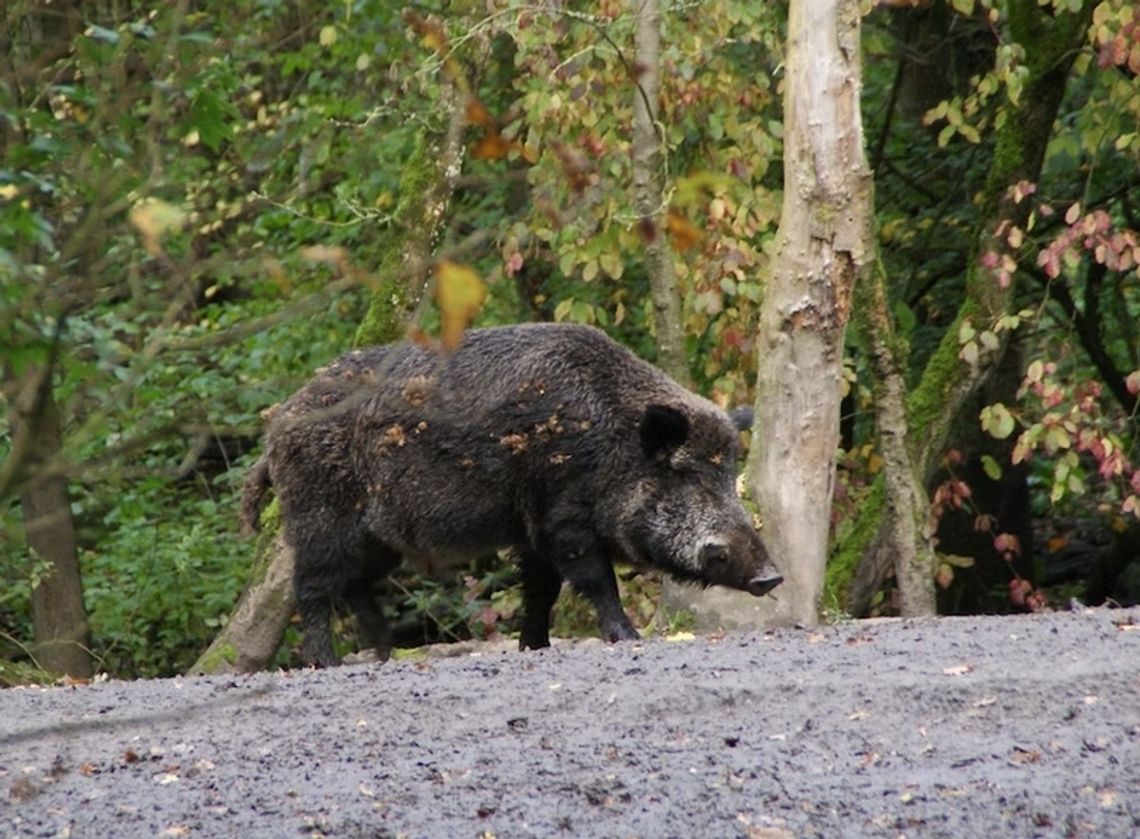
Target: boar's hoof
[763, 583]
[621, 632]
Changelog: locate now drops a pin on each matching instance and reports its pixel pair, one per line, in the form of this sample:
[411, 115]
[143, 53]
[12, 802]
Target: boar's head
[683, 514]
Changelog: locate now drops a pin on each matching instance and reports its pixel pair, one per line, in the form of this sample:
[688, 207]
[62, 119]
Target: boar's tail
[253, 490]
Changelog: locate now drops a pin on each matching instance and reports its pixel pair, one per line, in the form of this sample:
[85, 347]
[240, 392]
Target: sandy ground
[993, 726]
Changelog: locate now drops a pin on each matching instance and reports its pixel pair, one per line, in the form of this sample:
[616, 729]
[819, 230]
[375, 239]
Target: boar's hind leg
[314, 601]
[338, 563]
[580, 560]
[371, 625]
[541, 585]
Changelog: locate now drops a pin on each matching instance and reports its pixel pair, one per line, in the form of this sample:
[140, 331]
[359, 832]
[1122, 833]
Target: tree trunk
[823, 246]
[905, 533]
[648, 181]
[58, 616]
[648, 194]
[254, 631]
[1051, 43]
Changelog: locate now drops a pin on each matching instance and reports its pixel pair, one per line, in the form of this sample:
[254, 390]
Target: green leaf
[997, 421]
[992, 467]
[904, 317]
[209, 115]
[1056, 438]
[611, 263]
[99, 33]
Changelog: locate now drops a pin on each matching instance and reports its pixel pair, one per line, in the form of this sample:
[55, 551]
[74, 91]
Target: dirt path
[1016, 726]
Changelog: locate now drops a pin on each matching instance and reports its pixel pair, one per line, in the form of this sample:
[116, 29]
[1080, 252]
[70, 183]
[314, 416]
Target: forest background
[201, 203]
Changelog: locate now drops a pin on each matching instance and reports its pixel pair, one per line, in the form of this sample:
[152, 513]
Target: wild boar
[552, 440]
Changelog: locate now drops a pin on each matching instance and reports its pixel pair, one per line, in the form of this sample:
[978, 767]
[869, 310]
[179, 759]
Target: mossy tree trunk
[253, 634]
[901, 543]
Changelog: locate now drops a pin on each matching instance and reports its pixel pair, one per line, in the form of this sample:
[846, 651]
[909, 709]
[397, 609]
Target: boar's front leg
[541, 584]
[579, 558]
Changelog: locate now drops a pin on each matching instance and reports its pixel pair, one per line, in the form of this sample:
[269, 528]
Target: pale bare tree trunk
[824, 245]
[648, 183]
[58, 616]
[253, 633]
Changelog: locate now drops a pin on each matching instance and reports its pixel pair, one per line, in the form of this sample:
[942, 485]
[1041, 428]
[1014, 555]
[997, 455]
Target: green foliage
[164, 176]
[162, 582]
[569, 125]
[198, 206]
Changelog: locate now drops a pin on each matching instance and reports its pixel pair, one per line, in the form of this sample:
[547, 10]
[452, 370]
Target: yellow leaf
[152, 217]
[491, 146]
[329, 254]
[328, 36]
[683, 233]
[459, 292]
[612, 265]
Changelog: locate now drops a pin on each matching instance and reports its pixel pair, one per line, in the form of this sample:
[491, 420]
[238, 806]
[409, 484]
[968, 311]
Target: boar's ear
[663, 429]
[741, 417]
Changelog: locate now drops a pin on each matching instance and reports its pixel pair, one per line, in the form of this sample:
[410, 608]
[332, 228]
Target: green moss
[383, 323]
[270, 527]
[409, 654]
[391, 301]
[851, 547]
[928, 405]
[216, 658]
[14, 673]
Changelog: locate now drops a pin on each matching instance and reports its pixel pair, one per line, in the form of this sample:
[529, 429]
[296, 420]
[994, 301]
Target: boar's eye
[714, 553]
[663, 430]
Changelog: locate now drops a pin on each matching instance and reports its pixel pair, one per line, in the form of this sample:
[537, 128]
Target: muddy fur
[549, 439]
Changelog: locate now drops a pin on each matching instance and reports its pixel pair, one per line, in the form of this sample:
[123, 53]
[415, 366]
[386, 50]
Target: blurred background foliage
[170, 173]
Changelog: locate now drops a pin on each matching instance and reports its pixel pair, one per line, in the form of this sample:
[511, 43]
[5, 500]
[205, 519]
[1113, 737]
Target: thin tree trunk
[648, 182]
[257, 625]
[58, 616]
[648, 194]
[823, 246]
[904, 533]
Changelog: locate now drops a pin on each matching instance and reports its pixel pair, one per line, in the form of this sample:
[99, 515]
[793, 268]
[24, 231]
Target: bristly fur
[549, 439]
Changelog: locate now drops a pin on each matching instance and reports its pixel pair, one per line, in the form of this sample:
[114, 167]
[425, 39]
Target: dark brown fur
[549, 439]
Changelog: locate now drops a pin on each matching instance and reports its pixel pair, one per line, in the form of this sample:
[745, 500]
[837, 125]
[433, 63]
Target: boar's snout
[756, 575]
[764, 582]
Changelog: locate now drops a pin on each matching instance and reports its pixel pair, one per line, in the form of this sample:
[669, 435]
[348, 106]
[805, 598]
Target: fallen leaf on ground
[1022, 756]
